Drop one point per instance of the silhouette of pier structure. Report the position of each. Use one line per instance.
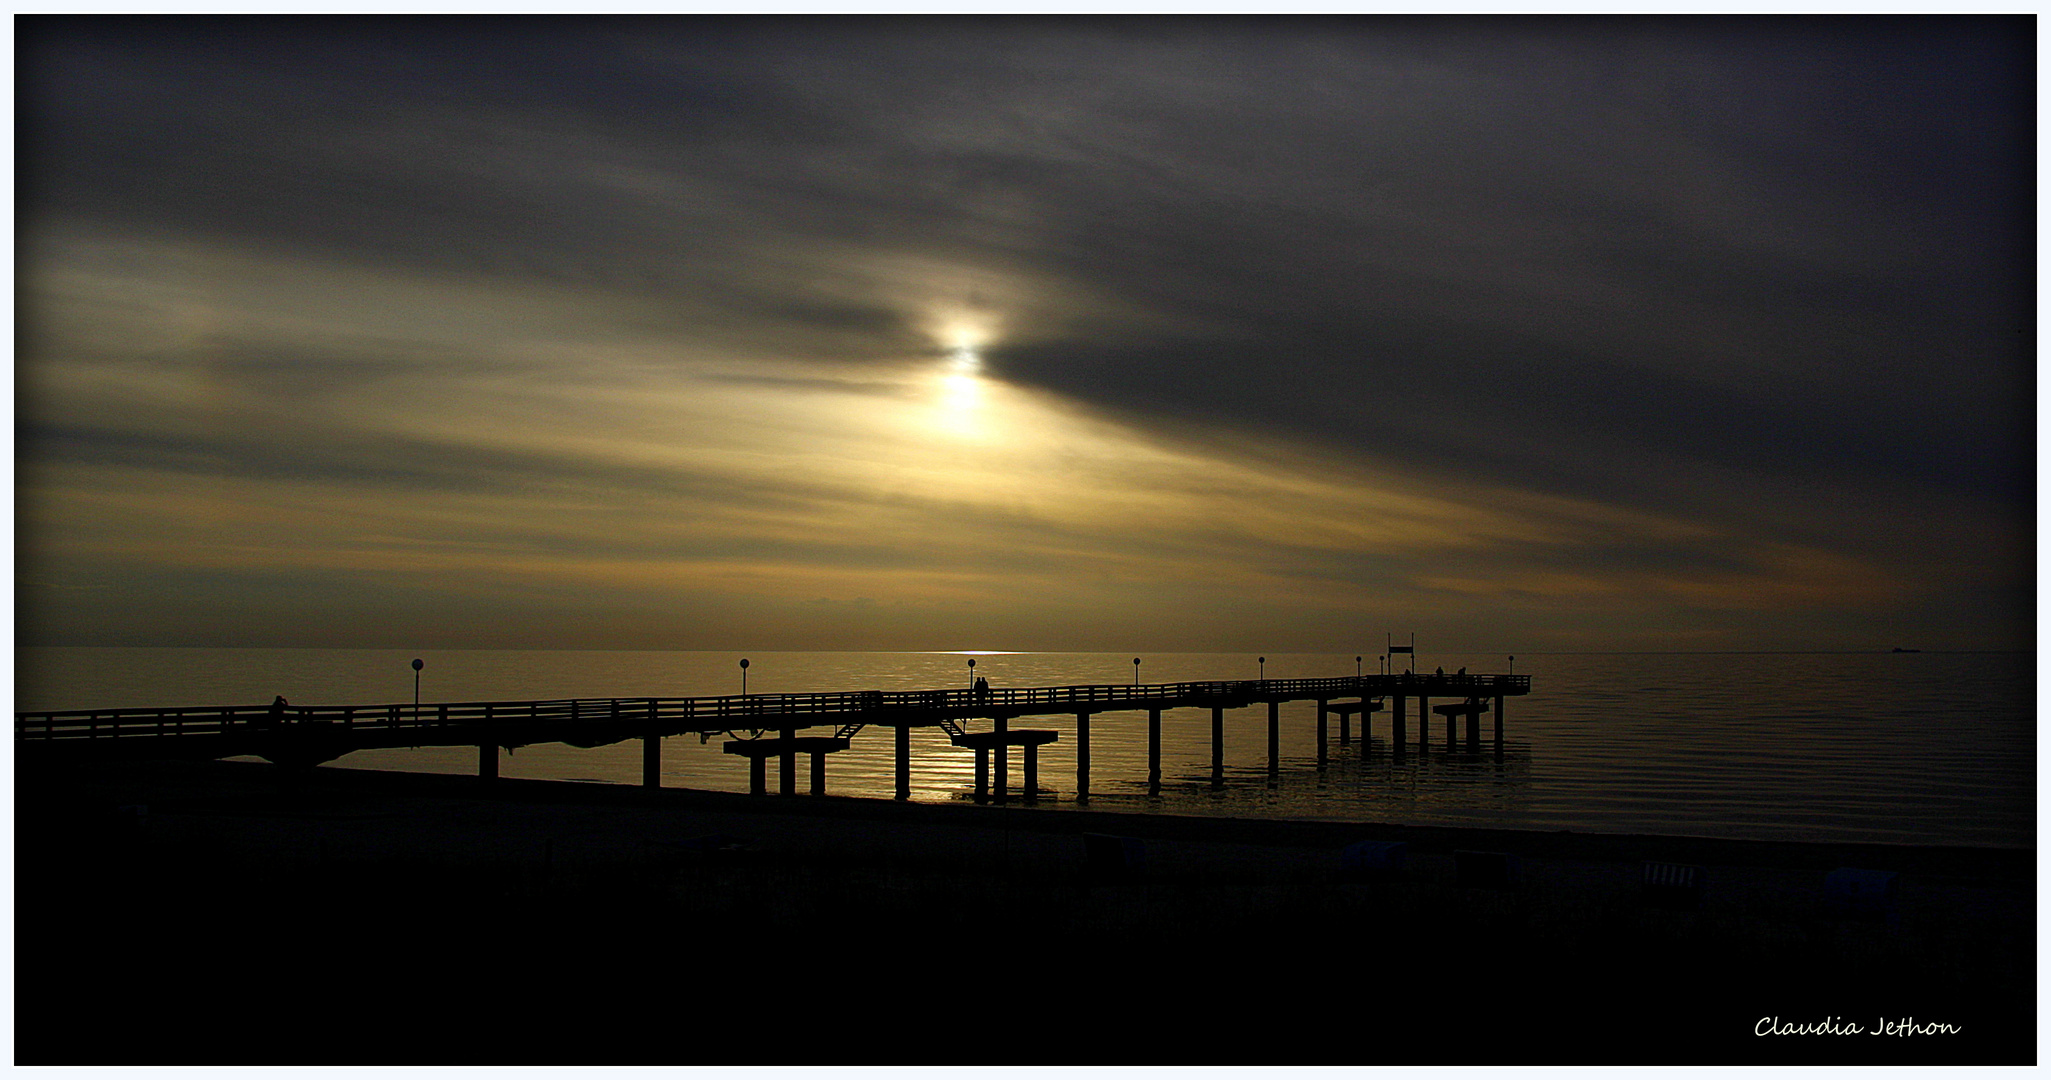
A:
(306, 736)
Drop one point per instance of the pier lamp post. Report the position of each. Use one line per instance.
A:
(417, 665)
(744, 676)
(1356, 667)
(1135, 671)
(1264, 668)
(1513, 665)
(972, 673)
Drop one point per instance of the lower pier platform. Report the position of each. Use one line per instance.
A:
(1346, 711)
(759, 751)
(983, 742)
(1472, 710)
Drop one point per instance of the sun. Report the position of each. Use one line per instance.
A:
(962, 392)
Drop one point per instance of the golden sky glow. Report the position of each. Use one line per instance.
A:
(1205, 362)
(655, 475)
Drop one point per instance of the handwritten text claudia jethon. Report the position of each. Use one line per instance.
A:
(1773, 1025)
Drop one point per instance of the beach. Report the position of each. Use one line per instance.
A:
(236, 912)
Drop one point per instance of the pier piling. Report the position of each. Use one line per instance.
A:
(1217, 746)
(787, 763)
(1321, 733)
(1082, 756)
(1275, 737)
(1154, 750)
(1002, 779)
(904, 761)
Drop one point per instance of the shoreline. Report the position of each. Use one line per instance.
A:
(201, 779)
(528, 883)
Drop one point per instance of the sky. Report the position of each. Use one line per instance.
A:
(1037, 334)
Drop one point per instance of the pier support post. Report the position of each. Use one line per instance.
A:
(1423, 723)
(1499, 725)
(758, 775)
(1399, 727)
(1474, 726)
(1217, 746)
(1032, 774)
(904, 761)
(651, 760)
(982, 773)
(818, 773)
(1001, 783)
(1082, 756)
(1153, 751)
(1452, 744)
(488, 761)
(1322, 721)
(1345, 727)
(787, 764)
(1275, 738)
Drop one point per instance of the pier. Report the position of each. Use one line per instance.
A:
(762, 727)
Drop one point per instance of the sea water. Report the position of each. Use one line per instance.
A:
(1925, 748)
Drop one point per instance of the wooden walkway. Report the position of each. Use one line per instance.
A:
(300, 735)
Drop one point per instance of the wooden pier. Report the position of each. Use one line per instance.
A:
(306, 736)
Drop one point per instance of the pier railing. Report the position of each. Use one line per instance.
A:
(749, 711)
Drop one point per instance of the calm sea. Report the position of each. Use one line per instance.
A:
(1936, 748)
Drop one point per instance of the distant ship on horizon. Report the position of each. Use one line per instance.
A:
(1898, 648)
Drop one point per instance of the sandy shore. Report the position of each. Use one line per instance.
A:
(225, 912)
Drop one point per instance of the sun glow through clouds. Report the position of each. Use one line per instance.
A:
(961, 388)
(961, 396)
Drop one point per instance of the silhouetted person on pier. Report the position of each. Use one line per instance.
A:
(982, 689)
(277, 714)
(1442, 673)
(1462, 673)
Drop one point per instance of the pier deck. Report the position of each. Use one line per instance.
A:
(309, 735)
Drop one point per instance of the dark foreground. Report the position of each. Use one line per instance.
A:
(239, 913)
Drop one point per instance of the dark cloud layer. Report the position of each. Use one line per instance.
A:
(1699, 269)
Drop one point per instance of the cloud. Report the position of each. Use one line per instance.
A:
(1639, 328)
